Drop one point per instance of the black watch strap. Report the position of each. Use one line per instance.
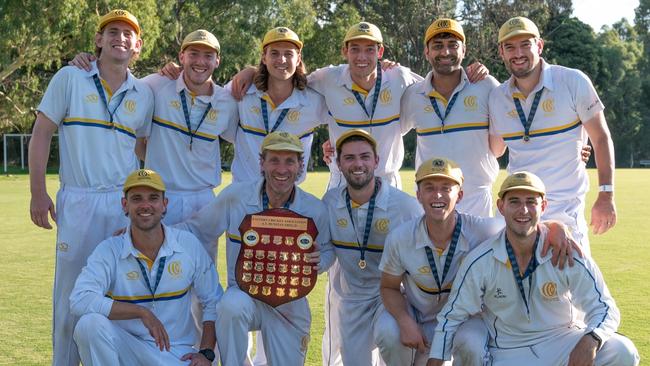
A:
(208, 353)
(597, 338)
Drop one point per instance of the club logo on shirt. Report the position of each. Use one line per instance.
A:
(255, 110)
(342, 223)
(470, 103)
(513, 114)
(348, 101)
(92, 98)
(549, 291)
(293, 116)
(428, 109)
(132, 276)
(381, 226)
(62, 247)
(499, 294)
(175, 104)
(129, 105)
(548, 105)
(424, 270)
(174, 268)
(385, 96)
(212, 116)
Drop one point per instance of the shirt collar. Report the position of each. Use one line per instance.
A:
(169, 246)
(129, 83)
(256, 199)
(295, 100)
(426, 87)
(345, 78)
(501, 254)
(180, 85)
(545, 81)
(380, 202)
(423, 240)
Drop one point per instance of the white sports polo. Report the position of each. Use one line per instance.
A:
(305, 110)
(95, 153)
(404, 254)
(553, 151)
(462, 136)
(485, 282)
(335, 84)
(392, 208)
(226, 212)
(168, 145)
(113, 274)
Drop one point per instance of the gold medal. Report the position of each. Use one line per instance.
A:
(362, 263)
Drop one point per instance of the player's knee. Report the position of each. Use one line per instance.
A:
(469, 346)
(89, 327)
(386, 332)
(623, 350)
(233, 304)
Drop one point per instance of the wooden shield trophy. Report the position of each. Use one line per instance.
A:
(272, 263)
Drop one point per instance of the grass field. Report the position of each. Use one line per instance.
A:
(26, 273)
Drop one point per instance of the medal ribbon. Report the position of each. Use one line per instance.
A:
(434, 104)
(450, 255)
(371, 212)
(265, 117)
(532, 266)
(186, 114)
(265, 199)
(375, 95)
(159, 273)
(527, 122)
(102, 95)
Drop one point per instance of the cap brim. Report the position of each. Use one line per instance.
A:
(200, 43)
(363, 36)
(523, 188)
(517, 33)
(144, 184)
(283, 147)
(346, 136)
(135, 27)
(296, 43)
(457, 34)
(438, 175)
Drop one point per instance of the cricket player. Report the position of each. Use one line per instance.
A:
(450, 115)
(191, 113)
(133, 295)
(423, 255)
(361, 214)
(99, 114)
(285, 328)
(544, 114)
(526, 303)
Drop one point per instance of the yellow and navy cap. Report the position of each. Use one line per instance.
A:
(201, 37)
(517, 26)
(363, 30)
(439, 167)
(281, 34)
(282, 141)
(144, 178)
(522, 180)
(119, 15)
(444, 25)
(356, 132)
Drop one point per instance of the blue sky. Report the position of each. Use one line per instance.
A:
(601, 12)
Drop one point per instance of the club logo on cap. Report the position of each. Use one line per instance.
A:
(520, 175)
(282, 30)
(284, 134)
(143, 173)
(438, 163)
(516, 23)
(443, 24)
(364, 27)
(120, 12)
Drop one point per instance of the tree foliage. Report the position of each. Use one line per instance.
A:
(39, 37)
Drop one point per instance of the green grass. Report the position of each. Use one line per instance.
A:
(26, 273)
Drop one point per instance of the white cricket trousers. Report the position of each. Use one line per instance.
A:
(101, 342)
(85, 217)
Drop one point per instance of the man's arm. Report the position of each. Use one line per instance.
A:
(410, 333)
(603, 213)
(497, 145)
(124, 311)
(141, 148)
(38, 153)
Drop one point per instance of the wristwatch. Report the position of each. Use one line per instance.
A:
(208, 353)
(595, 336)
